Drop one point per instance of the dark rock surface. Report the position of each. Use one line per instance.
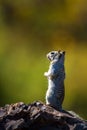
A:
(38, 116)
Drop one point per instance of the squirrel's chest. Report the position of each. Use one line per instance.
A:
(55, 83)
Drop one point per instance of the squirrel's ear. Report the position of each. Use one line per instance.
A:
(59, 51)
(64, 52)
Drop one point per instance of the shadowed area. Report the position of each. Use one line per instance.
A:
(37, 115)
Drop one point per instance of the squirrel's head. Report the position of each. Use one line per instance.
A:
(56, 55)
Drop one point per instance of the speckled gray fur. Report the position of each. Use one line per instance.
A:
(55, 75)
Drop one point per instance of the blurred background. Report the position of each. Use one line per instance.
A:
(29, 29)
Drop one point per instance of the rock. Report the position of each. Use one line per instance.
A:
(38, 116)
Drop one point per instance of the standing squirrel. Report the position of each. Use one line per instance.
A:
(56, 75)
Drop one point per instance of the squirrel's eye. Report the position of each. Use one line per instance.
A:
(52, 53)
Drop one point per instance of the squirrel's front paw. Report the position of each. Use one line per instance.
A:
(46, 74)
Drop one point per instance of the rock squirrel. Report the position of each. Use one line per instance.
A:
(56, 75)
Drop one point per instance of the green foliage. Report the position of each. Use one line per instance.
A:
(28, 30)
